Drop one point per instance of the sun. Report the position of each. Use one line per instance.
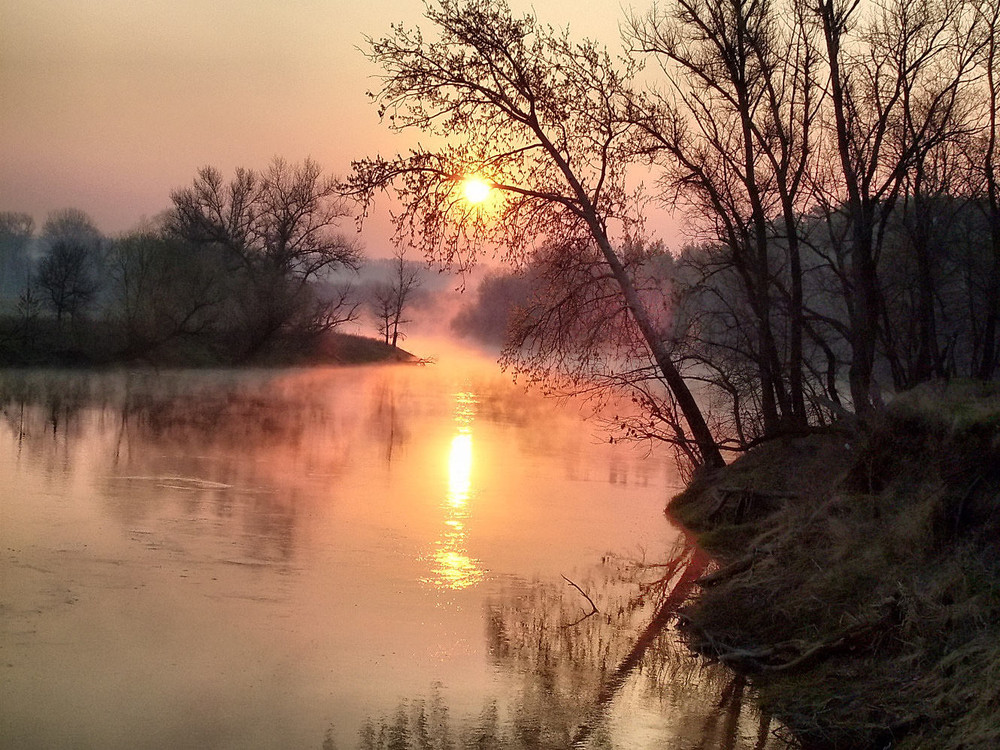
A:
(476, 190)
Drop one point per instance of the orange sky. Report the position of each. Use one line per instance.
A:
(107, 105)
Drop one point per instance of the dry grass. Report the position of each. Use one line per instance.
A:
(896, 526)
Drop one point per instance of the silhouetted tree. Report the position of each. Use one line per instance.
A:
(66, 279)
(733, 132)
(986, 180)
(889, 107)
(548, 123)
(162, 291)
(28, 308)
(390, 299)
(278, 230)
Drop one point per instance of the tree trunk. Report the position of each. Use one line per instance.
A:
(710, 455)
(863, 309)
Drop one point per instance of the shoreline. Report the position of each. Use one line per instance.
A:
(858, 578)
(331, 348)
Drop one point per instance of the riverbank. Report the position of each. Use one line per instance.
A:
(95, 344)
(859, 579)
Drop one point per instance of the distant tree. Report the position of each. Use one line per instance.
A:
(16, 231)
(489, 314)
(28, 308)
(71, 225)
(278, 230)
(162, 292)
(390, 299)
(66, 279)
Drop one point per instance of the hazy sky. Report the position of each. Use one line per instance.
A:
(108, 105)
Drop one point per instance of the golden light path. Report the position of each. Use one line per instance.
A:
(453, 568)
(476, 189)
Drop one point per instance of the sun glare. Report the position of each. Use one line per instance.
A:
(460, 469)
(476, 190)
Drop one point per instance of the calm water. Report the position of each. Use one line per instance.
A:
(336, 558)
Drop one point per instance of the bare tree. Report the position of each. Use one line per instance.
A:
(28, 309)
(733, 132)
(547, 122)
(162, 291)
(987, 183)
(66, 279)
(877, 68)
(71, 225)
(279, 229)
(390, 299)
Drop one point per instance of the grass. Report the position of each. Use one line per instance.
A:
(879, 545)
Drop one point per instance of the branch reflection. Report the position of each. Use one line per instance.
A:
(619, 679)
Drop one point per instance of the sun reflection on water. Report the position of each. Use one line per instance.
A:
(453, 567)
(460, 470)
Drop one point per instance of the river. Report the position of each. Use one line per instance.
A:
(337, 558)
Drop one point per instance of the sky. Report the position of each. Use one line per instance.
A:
(108, 105)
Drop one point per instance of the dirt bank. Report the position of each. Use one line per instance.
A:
(859, 579)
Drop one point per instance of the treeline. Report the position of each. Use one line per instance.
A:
(237, 270)
(710, 321)
(835, 162)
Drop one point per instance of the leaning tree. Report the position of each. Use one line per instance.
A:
(547, 123)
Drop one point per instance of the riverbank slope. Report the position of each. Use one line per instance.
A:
(859, 579)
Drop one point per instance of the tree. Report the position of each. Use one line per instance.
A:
(66, 279)
(987, 182)
(733, 132)
(547, 122)
(161, 291)
(28, 308)
(488, 316)
(68, 274)
(390, 299)
(16, 231)
(895, 84)
(278, 230)
(71, 225)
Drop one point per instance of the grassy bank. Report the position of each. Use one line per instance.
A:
(860, 574)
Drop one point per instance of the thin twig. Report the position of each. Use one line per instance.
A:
(593, 607)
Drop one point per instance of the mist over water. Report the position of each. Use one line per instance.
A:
(271, 558)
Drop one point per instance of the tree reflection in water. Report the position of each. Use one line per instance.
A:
(234, 429)
(214, 469)
(578, 679)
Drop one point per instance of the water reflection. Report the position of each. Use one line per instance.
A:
(453, 567)
(259, 555)
(573, 683)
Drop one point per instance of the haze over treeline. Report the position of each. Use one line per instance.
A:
(239, 269)
(834, 162)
